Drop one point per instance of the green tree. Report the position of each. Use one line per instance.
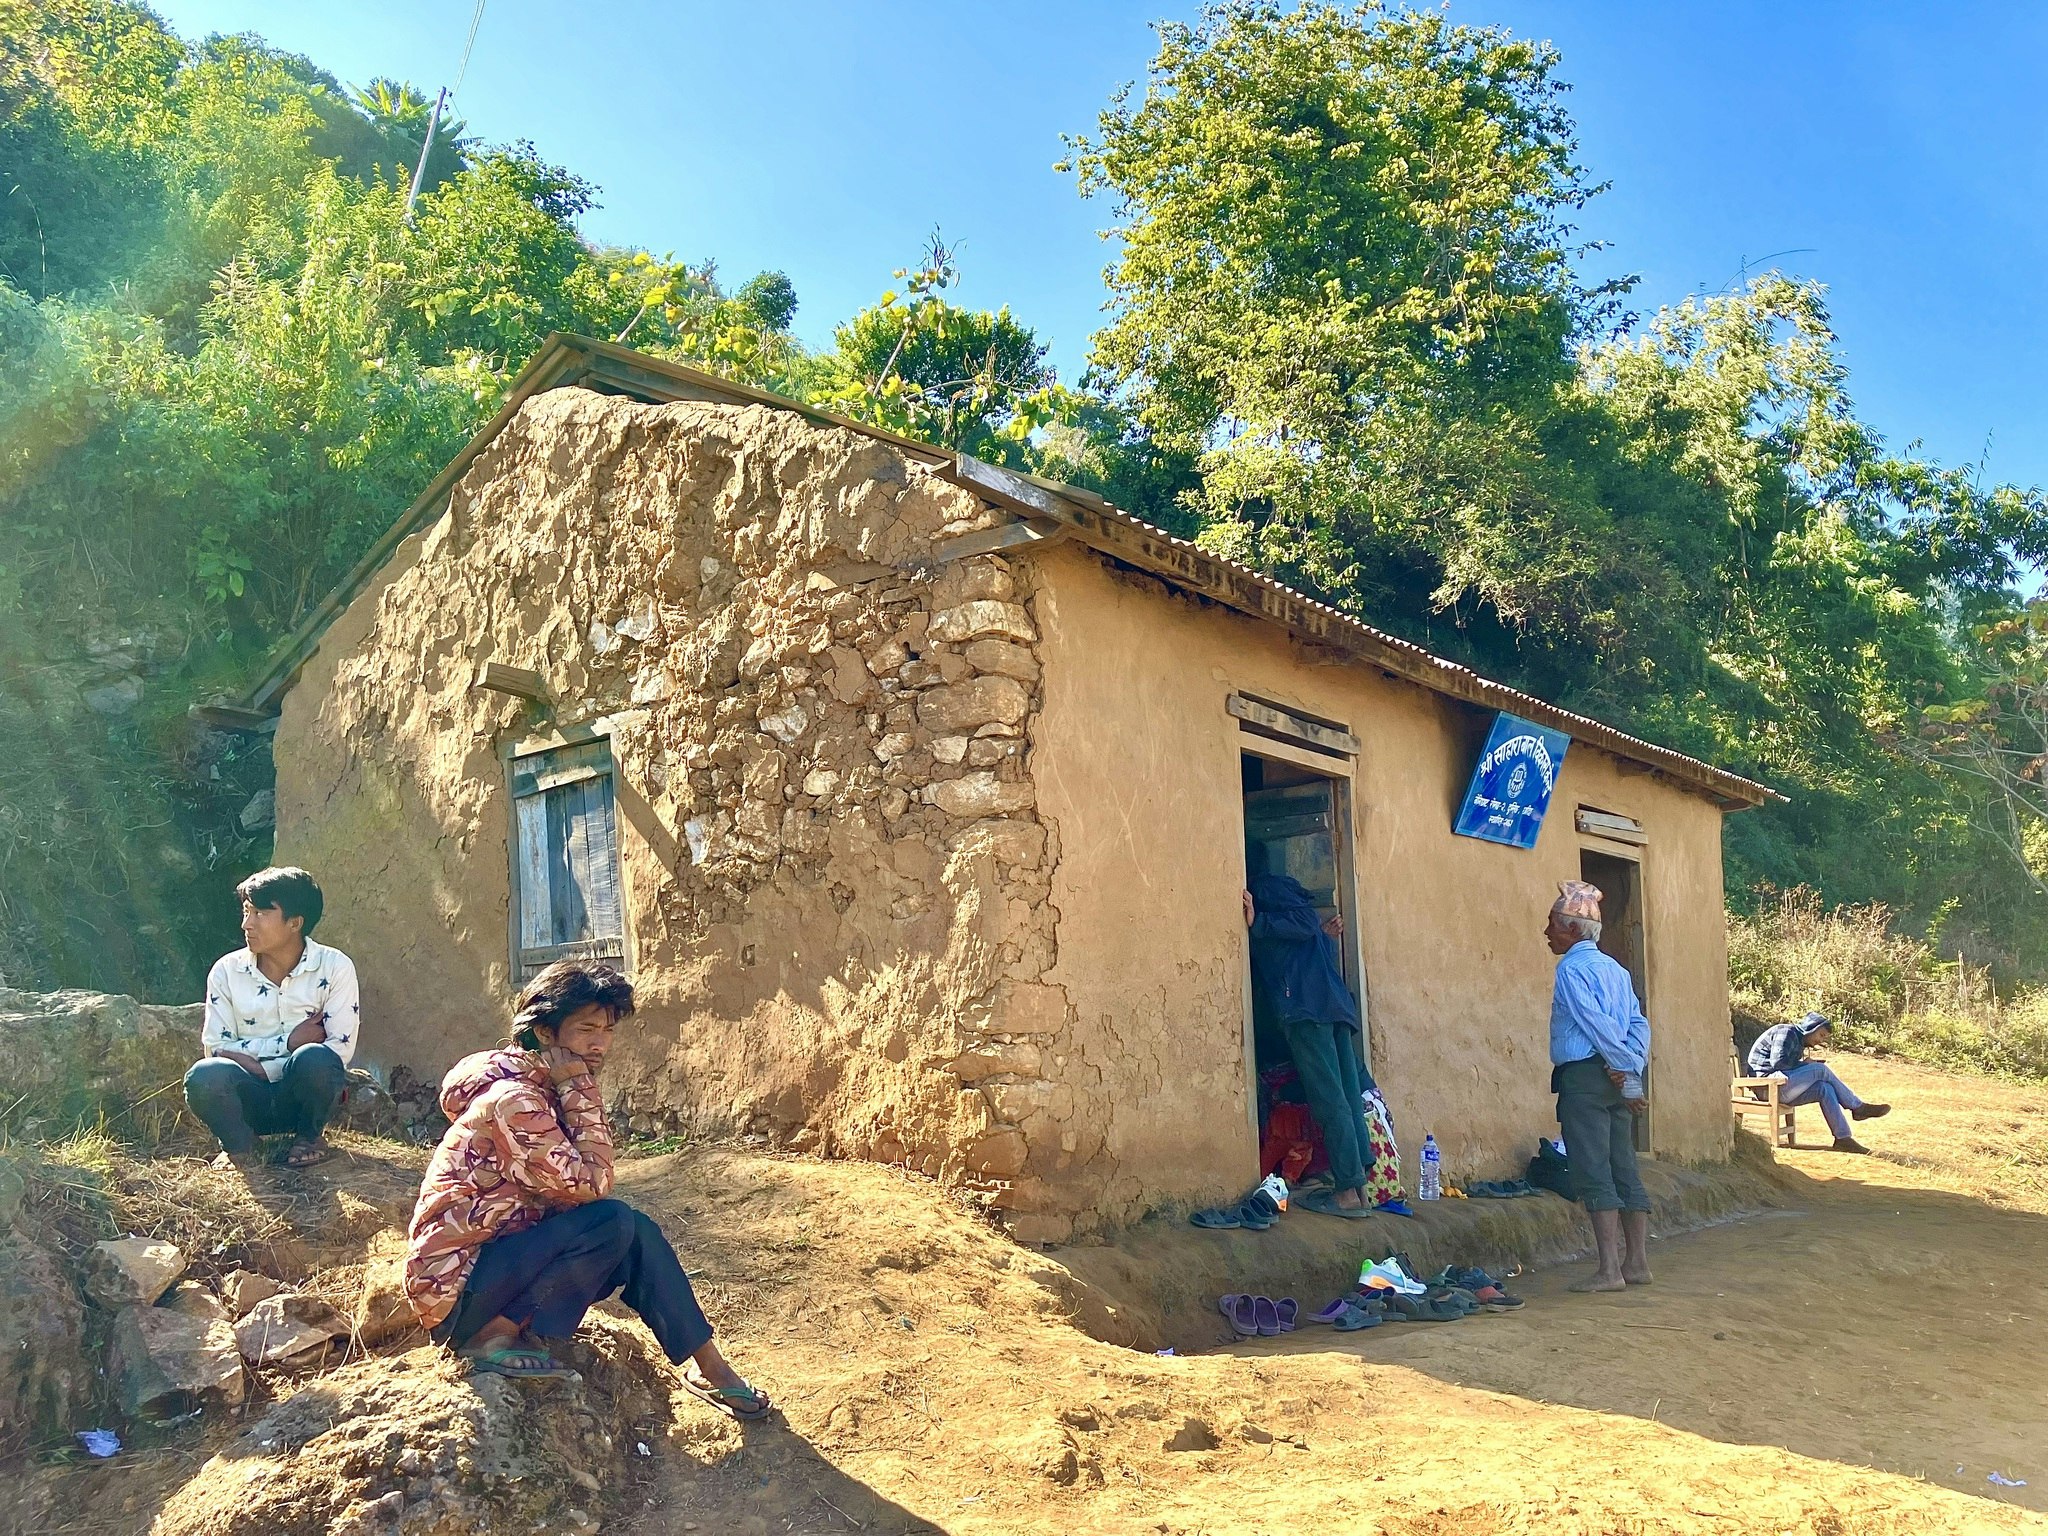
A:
(1344, 278)
(974, 381)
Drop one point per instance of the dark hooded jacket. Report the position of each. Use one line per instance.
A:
(1294, 963)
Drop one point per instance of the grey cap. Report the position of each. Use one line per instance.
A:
(1814, 1021)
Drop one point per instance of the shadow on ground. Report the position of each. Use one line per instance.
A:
(1898, 1328)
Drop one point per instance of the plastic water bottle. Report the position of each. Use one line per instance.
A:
(1430, 1186)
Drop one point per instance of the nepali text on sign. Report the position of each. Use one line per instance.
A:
(1511, 785)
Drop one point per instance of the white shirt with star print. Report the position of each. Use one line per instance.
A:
(248, 1012)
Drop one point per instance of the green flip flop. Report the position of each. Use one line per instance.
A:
(743, 1402)
(522, 1362)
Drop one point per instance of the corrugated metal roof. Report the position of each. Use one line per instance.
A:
(1081, 514)
(1242, 587)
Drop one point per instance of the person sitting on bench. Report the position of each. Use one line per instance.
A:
(1781, 1052)
(281, 1022)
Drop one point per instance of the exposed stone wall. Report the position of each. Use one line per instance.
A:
(837, 881)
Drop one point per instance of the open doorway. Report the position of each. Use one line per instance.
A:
(1621, 936)
(1297, 823)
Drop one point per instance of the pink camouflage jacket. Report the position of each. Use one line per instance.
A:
(520, 1148)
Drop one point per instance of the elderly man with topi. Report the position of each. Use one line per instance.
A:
(1599, 1051)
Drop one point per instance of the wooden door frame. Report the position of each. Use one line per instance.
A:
(1340, 771)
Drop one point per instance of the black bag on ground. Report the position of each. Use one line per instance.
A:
(1550, 1169)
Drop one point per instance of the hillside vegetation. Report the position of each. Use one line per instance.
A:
(1350, 340)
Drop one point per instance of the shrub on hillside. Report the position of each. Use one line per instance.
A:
(1887, 992)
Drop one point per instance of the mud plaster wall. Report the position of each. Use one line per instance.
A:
(1137, 762)
(837, 886)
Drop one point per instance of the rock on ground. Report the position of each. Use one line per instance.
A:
(44, 1378)
(132, 1271)
(383, 1316)
(241, 1289)
(410, 1443)
(280, 1327)
(166, 1362)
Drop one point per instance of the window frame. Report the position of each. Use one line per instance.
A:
(619, 951)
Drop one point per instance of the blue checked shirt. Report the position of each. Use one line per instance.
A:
(1594, 1012)
(248, 1012)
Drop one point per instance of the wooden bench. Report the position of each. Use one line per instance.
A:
(1777, 1118)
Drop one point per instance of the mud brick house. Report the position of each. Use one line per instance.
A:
(918, 796)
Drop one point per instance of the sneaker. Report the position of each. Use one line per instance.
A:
(1870, 1111)
(1848, 1144)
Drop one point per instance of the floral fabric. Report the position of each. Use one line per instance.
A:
(520, 1147)
(1383, 1177)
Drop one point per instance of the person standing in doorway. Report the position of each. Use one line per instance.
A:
(1599, 1051)
(1301, 985)
(281, 1022)
(1781, 1052)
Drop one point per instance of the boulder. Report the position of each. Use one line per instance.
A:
(73, 1057)
(45, 1382)
(132, 1271)
(166, 1362)
(413, 1443)
(242, 1289)
(382, 1312)
(279, 1327)
(195, 1300)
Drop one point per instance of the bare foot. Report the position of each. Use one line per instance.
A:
(1636, 1276)
(1599, 1282)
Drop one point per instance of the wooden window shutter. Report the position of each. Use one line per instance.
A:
(565, 858)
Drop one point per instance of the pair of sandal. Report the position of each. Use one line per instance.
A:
(1352, 1312)
(1489, 1292)
(1323, 1201)
(1501, 1189)
(300, 1154)
(525, 1359)
(1255, 1212)
(1260, 1316)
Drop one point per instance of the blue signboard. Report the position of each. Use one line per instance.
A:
(1511, 786)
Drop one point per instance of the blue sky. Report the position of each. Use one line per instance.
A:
(1897, 151)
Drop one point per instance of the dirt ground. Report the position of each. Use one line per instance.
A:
(1824, 1369)
(1854, 1364)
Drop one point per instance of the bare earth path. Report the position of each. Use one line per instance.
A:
(1889, 1321)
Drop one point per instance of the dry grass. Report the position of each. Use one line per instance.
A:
(1887, 992)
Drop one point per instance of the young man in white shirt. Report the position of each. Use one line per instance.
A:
(281, 1022)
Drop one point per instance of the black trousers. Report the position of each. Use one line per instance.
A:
(547, 1276)
(238, 1106)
